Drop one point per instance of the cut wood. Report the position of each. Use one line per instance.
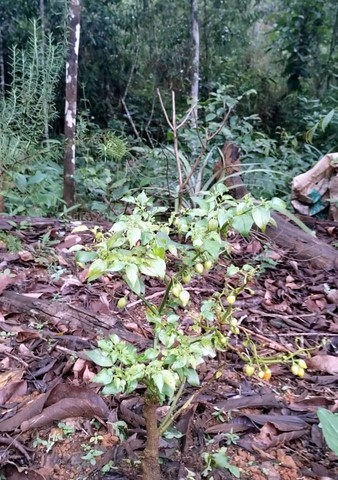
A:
(303, 246)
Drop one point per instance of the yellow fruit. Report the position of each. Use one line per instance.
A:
(295, 369)
(302, 364)
(184, 297)
(267, 374)
(249, 370)
(122, 303)
(199, 268)
(212, 225)
(176, 290)
(186, 278)
(301, 372)
(207, 264)
(231, 299)
(261, 374)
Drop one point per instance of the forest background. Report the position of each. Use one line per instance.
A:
(266, 69)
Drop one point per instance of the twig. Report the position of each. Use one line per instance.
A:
(272, 344)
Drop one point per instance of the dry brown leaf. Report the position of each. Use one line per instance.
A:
(324, 363)
(5, 280)
(26, 256)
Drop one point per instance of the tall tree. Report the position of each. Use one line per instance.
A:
(195, 65)
(43, 61)
(71, 102)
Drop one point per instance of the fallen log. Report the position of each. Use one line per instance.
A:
(301, 245)
(60, 314)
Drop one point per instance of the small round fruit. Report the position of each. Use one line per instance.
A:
(302, 364)
(267, 374)
(301, 372)
(249, 370)
(212, 225)
(186, 278)
(231, 299)
(198, 243)
(199, 268)
(122, 303)
(184, 297)
(208, 264)
(176, 290)
(261, 374)
(295, 369)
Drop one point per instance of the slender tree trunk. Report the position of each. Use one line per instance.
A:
(2, 94)
(195, 61)
(43, 64)
(334, 39)
(71, 102)
(2, 65)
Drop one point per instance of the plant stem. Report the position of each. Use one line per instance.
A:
(167, 421)
(150, 465)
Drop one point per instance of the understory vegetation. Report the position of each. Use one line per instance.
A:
(146, 155)
(273, 67)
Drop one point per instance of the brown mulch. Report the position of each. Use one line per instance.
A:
(51, 411)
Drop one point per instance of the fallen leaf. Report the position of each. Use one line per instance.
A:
(26, 256)
(324, 363)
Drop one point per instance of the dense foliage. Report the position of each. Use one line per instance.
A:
(283, 53)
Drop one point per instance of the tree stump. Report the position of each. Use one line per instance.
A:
(303, 246)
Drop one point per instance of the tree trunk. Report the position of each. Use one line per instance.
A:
(43, 64)
(150, 464)
(302, 246)
(333, 44)
(71, 102)
(195, 66)
(2, 65)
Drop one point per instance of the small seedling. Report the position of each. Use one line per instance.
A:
(120, 429)
(67, 430)
(218, 459)
(91, 454)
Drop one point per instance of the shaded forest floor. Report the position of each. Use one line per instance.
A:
(55, 425)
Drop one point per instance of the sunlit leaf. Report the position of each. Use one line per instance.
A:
(99, 358)
(243, 224)
(261, 217)
(97, 269)
(329, 424)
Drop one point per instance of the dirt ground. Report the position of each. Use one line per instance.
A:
(54, 423)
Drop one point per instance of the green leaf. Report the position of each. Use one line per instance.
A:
(277, 203)
(158, 380)
(327, 119)
(154, 268)
(133, 235)
(192, 377)
(97, 269)
(99, 358)
(329, 424)
(21, 182)
(85, 256)
(104, 377)
(116, 386)
(243, 224)
(169, 379)
(223, 217)
(261, 217)
(132, 274)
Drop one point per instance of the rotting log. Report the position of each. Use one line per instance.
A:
(13, 223)
(60, 314)
(302, 246)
